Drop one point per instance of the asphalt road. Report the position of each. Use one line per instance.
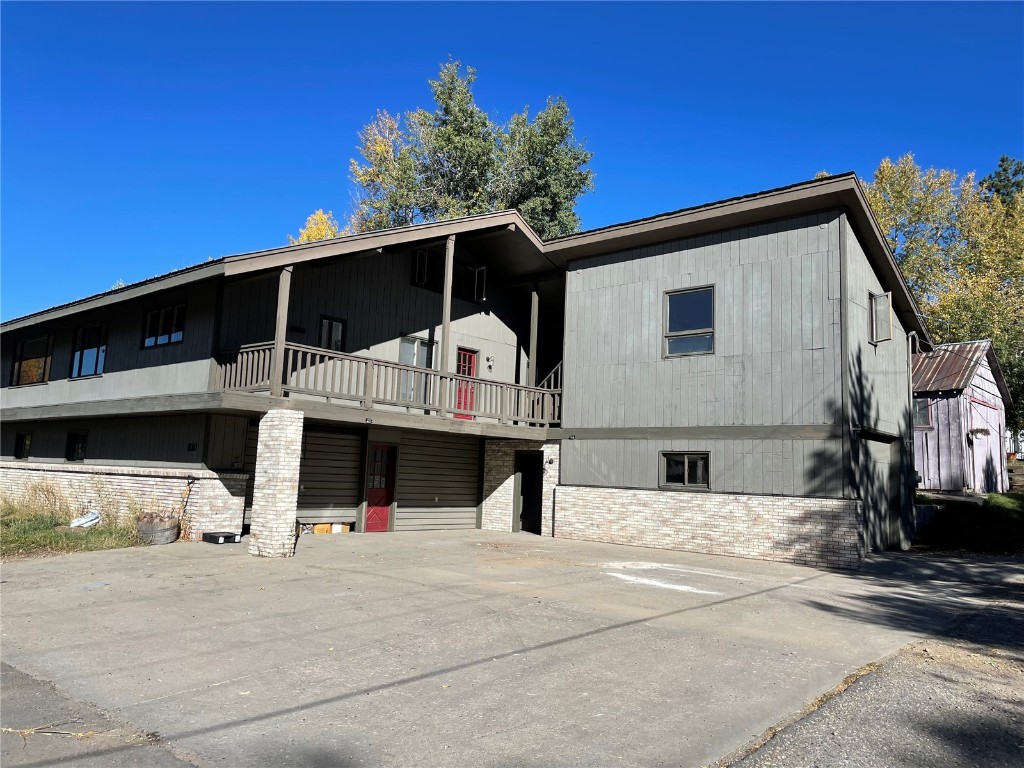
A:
(462, 648)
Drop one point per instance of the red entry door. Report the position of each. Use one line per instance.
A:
(465, 391)
(380, 488)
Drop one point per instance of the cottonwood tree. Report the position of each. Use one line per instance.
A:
(319, 226)
(456, 161)
(961, 249)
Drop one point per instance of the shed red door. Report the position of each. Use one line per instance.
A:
(465, 392)
(380, 487)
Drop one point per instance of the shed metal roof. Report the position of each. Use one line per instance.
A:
(951, 367)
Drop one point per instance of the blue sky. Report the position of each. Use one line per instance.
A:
(140, 138)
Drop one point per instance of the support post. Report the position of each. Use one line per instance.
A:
(534, 312)
(284, 285)
(446, 321)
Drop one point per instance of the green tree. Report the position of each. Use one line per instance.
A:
(962, 253)
(455, 161)
(319, 226)
(1007, 181)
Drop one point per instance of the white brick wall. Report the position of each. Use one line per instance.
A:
(499, 482)
(276, 484)
(205, 500)
(819, 532)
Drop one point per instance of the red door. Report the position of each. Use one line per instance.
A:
(465, 365)
(380, 487)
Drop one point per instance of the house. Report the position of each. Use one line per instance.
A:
(960, 400)
(731, 378)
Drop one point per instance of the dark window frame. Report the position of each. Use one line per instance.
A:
(668, 335)
(324, 319)
(22, 445)
(76, 348)
(928, 411)
(663, 481)
(177, 325)
(76, 446)
(469, 282)
(18, 360)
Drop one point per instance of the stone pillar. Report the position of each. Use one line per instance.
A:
(276, 487)
(499, 482)
(552, 461)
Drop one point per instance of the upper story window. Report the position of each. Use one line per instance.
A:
(922, 412)
(165, 326)
(332, 334)
(686, 470)
(31, 362)
(89, 351)
(469, 283)
(881, 316)
(690, 322)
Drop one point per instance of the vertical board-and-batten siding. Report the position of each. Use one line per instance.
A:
(986, 424)
(373, 295)
(438, 482)
(939, 447)
(777, 357)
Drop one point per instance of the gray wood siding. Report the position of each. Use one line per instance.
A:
(438, 482)
(986, 424)
(329, 473)
(374, 296)
(137, 441)
(225, 441)
(777, 358)
(130, 370)
(939, 448)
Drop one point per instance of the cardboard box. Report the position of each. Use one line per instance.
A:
(321, 528)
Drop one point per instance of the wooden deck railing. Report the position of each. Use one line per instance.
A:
(368, 383)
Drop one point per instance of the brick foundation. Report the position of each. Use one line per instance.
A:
(818, 532)
(203, 499)
(499, 482)
(276, 484)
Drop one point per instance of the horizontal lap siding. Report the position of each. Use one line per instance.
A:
(438, 482)
(330, 471)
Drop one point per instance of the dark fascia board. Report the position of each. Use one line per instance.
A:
(841, 192)
(294, 254)
(385, 238)
(129, 292)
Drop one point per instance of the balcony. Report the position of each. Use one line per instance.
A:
(366, 383)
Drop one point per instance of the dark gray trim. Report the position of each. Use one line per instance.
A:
(780, 432)
(663, 483)
(721, 493)
(121, 407)
(875, 435)
(665, 335)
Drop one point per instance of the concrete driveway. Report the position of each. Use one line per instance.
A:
(463, 648)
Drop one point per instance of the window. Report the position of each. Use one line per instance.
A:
(22, 445)
(922, 412)
(686, 470)
(332, 334)
(881, 317)
(31, 362)
(165, 326)
(89, 351)
(469, 283)
(690, 322)
(419, 353)
(75, 449)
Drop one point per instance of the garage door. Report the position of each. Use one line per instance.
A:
(438, 482)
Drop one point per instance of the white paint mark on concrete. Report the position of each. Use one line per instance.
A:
(662, 584)
(642, 566)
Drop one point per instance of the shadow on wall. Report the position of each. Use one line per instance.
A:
(990, 476)
(878, 470)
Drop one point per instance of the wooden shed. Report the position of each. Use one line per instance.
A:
(960, 400)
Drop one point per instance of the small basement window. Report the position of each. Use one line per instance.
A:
(165, 326)
(22, 445)
(881, 316)
(922, 412)
(76, 445)
(31, 362)
(690, 322)
(686, 470)
(90, 351)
